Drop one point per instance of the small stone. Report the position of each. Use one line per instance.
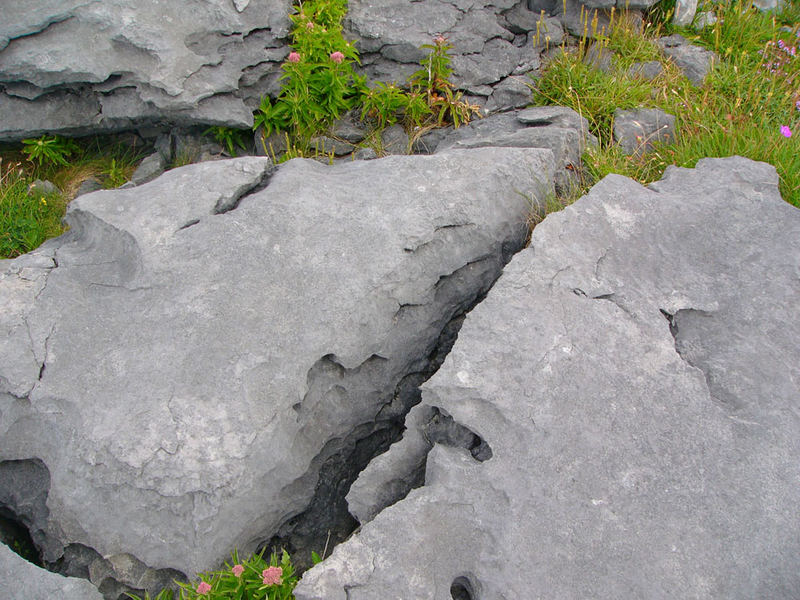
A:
(88, 186)
(637, 130)
(42, 188)
(684, 12)
(598, 57)
(395, 140)
(365, 154)
(694, 61)
(512, 92)
(150, 168)
(646, 70)
(325, 145)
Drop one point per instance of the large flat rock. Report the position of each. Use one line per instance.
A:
(632, 388)
(189, 354)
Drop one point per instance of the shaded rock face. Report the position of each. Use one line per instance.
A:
(189, 356)
(635, 375)
(77, 66)
(24, 581)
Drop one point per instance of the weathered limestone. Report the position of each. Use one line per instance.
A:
(189, 355)
(77, 66)
(632, 379)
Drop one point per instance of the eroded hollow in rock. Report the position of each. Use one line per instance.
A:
(24, 485)
(462, 589)
(327, 521)
(443, 429)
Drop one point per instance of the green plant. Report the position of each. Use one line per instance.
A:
(385, 103)
(115, 174)
(51, 148)
(251, 579)
(25, 221)
(229, 138)
(319, 83)
(433, 83)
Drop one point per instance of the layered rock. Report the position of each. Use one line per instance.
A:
(618, 419)
(177, 370)
(79, 67)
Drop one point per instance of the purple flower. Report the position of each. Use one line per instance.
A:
(781, 44)
(797, 105)
(785, 131)
(337, 57)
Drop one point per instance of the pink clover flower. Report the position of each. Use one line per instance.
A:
(203, 587)
(272, 576)
(337, 57)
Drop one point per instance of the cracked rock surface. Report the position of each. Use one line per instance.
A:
(185, 358)
(636, 375)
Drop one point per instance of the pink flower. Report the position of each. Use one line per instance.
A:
(337, 57)
(203, 587)
(439, 40)
(272, 576)
(309, 25)
(294, 57)
(238, 570)
(785, 131)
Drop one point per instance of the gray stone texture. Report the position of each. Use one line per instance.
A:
(23, 580)
(190, 353)
(646, 70)
(635, 373)
(694, 61)
(150, 168)
(74, 66)
(636, 130)
(557, 128)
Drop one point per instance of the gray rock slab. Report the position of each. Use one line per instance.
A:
(558, 128)
(635, 373)
(185, 358)
(636, 130)
(106, 65)
(694, 61)
(23, 580)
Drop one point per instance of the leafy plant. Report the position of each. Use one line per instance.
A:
(319, 83)
(51, 148)
(251, 579)
(433, 80)
(229, 138)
